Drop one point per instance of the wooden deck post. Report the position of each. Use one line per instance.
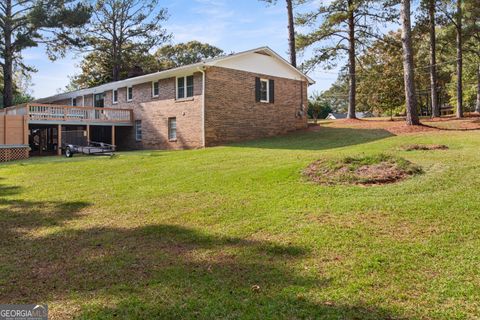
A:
(26, 130)
(59, 142)
(88, 133)
(5, 122)
(113, 135)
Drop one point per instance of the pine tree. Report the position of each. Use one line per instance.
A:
(343, 27)
(291, 31)
(409, 76)
(27, 23)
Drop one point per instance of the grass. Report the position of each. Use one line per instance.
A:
(236, 232)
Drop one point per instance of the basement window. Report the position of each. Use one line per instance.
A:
(172, 129)
(184, 87)
(138, 130)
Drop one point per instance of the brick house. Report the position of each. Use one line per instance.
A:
(238, 97)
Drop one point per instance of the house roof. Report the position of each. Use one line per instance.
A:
(178, 72)
(359, 115)
(337, 115)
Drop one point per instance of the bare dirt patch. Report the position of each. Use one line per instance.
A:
(361, 170)
(424, 147)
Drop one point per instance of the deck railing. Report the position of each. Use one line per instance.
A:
(50, 112)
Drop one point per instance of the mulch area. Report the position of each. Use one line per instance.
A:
(398, 126)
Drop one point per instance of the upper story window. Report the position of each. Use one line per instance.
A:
(184, 87)
(74, 102)
(129, 94)
(155, 89)
(98, 100)
(264, 90)
(115, 96)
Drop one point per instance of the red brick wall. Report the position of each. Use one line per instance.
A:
(232, 114)
(154, 113)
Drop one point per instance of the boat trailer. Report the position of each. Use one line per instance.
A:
(93, 148)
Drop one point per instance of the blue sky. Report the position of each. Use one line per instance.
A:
(229, 24)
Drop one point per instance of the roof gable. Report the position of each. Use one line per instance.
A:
(263, 61)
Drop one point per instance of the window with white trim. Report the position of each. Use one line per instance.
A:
(155, 89)
(264, 90)
(172, 129)
(129, 94)
(185, 87)
(115, 96)
(138, 130)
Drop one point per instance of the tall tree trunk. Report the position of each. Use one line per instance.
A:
(459, 61)
(433, 60)
(116, 65)
(8, 57)
(291, 34)
(477, 107)
(351, 61)
(409, 76)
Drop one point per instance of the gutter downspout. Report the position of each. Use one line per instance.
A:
(202, 70)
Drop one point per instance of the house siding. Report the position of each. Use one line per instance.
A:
(154, 113)
(232, 113)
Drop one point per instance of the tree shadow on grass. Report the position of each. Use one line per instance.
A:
(153, 272)
(319, 139)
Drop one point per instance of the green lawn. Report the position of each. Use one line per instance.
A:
(236, 232)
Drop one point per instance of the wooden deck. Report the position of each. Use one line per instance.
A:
(68, 115)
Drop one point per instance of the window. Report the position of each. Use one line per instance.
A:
(155, 89)
(99, 100)
(129, 93)
(138, 130)
(74, 102)
(172, 129)
(184, 87)
(264, 90)
(114, 96)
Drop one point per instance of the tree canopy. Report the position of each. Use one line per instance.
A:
(96, 66)
(28, 23)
